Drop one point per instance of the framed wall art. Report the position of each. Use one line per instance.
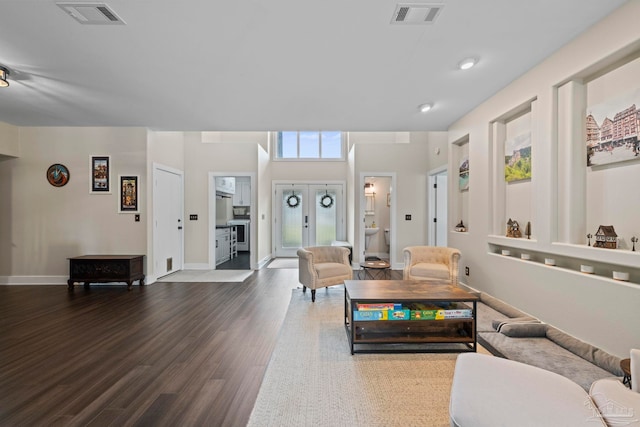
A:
(128, 193)
(463, 174)
(612, 130)
(517, 158)
(58, 175)
(100, 175)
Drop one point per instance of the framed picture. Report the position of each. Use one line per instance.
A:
(517, 158)
(463, 174)
(100, 175)
(612, 130)
(128, 193)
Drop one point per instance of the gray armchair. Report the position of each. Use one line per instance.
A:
(322, 266)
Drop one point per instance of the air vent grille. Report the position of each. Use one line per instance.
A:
(412, 13)
(91, 13)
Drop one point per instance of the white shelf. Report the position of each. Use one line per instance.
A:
(513, 242)
(588, 253)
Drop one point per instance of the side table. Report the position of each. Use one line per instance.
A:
(374, 269)
(625, 365)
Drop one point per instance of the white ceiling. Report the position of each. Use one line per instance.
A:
(272, 65)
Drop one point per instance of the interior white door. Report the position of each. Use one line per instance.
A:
(168, 221)
(441, 209)
(306, 215)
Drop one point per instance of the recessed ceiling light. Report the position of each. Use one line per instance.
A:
(425, 107)
(467, 63)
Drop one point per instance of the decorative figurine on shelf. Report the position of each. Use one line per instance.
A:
(606, 237)
(634, 239)
(589, 236)
(513, 229)
(460, 227)
(527, 230)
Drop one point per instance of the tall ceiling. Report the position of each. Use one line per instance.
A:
(272, 65)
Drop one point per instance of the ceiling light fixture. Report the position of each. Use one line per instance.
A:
(467, 63)
(425, 107)
(3, 77)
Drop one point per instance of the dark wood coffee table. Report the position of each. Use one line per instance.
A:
(457, 334)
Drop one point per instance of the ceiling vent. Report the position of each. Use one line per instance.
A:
(412, 13)
(91, 13)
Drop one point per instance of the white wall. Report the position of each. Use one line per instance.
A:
(596, 309)
(44, 225)
(9, 141)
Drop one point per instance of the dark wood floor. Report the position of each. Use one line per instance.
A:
(168, 354)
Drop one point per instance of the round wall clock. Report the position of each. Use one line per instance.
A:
(58, 175)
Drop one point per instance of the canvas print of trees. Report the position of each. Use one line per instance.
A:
(612, 130)
(517, 158)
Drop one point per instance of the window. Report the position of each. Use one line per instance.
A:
(327, 145)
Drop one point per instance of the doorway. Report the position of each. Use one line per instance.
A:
(438, 224)
(376, 233)
(307, 215)
(239, 210)
(168, 221)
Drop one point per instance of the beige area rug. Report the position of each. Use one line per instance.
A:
(207, 276)
(313, 380)
(283, 263)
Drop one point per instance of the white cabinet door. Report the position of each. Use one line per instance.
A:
(242, 197)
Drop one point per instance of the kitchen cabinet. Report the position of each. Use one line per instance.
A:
(242, 196)
(223, 245)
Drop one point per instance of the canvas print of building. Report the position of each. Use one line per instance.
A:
(612, 130)
(517, 158)
(463, 180)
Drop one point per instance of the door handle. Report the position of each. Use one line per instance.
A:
(179, 228)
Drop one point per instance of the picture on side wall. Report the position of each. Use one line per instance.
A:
(517, 158)
(128, 194)
(463, 177)
(612, 130)
(100, 175)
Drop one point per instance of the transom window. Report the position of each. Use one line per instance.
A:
(308, 145)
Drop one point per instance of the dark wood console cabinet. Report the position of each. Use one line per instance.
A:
(105, 269)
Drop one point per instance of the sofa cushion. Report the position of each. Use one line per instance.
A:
(425, 269)
(523, 329)
(586, 351)
(490, 391)
(501, 306)
(617, 404)
(331, 269)
(485, 317)
(545, 354)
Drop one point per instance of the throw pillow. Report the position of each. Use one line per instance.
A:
(524, 330)
(497, 324)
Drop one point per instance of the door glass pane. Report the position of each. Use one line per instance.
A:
(291, 219)
(325, 202)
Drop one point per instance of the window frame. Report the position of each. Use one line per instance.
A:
(276, 148)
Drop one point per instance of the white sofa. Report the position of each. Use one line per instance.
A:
(491, 391)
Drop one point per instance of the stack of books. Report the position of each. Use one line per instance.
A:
(417, 311)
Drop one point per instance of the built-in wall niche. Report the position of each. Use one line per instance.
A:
(598, 160)
(513, 138)
(462, 183)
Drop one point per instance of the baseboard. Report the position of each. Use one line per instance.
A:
(263, 262)
(34, 280)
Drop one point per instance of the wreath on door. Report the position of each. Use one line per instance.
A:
(293, 201)
(326, 201)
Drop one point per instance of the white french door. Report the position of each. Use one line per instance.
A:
(307, 215)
